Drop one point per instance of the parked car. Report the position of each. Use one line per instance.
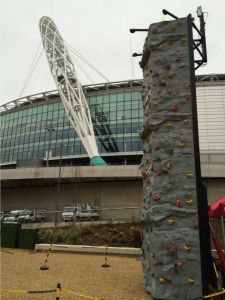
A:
(68, 213)
(29, 216)
(13, 216)
(86, 212)
(80, 212)
(2, 216)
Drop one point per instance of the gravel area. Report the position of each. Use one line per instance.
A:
(77, 272)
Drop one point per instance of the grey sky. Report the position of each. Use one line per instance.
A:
(99, 30)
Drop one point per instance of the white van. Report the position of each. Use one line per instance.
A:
(68, 213)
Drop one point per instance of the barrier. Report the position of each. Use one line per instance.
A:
(58, 292)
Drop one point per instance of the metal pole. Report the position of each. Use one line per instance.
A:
(49, 143)
(58, 187)
(222, 223)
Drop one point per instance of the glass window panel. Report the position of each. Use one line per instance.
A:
(44, 108)
(112, 115)
(34, 110)
(127, 96)
(113, 98)
(39, 109)
(106, 99)
(99, 99)
(50, 107)
(136, 95)
(120, 97)
(120, 114)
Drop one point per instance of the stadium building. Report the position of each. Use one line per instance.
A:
(39, 147)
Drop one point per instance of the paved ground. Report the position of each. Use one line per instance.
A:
(82, 274)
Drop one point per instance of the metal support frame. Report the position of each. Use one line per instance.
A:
(207, 270)
(198, 44)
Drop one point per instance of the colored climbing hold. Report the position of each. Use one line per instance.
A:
(170, 221)
(178, 60)
(187, 97)
(173, 28)
(189, 201)
(172, 249)
(195, 225)
(179, 263)
(155, 103)
(162, 280)
(183, 42)
(168, 125)
(190, 280)
(186, 122)
(155, 128)
(161, 48)
(158, 173)
(170, 74)
(179, 203)
(157, 197)
(174, 107)
(187, 247)
(190, 175)
(181, 145)
(168, 166)
(157, 147)
(187, 85)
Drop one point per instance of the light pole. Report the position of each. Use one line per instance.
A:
(50, 129)
(58, 187)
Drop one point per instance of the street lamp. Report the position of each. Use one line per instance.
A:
(50, 129)
(58, 187)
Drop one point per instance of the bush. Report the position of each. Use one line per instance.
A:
(69, 235)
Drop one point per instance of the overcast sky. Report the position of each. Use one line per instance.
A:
(99, 30)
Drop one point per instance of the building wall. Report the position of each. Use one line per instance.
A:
(102, 194)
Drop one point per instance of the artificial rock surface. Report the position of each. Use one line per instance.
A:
(171, 250)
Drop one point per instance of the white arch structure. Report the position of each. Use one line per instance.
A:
(69, 87)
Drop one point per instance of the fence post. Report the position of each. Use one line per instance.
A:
(58, 291)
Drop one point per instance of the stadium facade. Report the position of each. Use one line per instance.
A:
(37, 137)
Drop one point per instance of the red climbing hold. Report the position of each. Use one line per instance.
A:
(174, 107)
(156, 197)
(179, 203)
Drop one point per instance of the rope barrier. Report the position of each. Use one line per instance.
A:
(215, 294)
(58, 290)
(219, 293)
(16, 253)
(80, 295)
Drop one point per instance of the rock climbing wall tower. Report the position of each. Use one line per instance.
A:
(171, 251)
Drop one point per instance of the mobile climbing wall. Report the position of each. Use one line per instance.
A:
(171, 255)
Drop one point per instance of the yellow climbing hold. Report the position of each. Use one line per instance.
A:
(190, 175)
(190, 280)
(187, 85)
(162, 280)
(189, 201)
(168, 165)
(186, 122)
(168, 125)
(181, 145)
(170, 74)
(187, 247)
(170, 221)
